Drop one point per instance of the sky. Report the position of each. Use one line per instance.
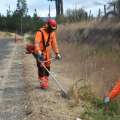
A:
(42, 6)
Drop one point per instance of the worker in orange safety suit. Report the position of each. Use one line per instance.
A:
(45, 39)
(113, 93)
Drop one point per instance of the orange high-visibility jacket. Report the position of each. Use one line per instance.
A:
(115, 91)
(52, 44)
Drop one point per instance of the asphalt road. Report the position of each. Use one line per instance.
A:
(12, 92)
(5, 48)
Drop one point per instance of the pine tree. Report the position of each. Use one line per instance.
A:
(35, 14)
(20, 14)
(8, 12)
(22, 7)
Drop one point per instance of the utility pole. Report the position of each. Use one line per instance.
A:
(99, 13)
(105, 10)
(90, 14)
(59, 7)
(49, 15)
(21, 27)
(114, 6)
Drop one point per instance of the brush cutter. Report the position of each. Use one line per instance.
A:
(63, 91)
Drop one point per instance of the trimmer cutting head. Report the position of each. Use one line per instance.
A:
(64, 94)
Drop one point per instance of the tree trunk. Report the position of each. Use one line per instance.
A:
(61, 7)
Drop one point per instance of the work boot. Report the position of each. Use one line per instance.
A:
(44, 83)
(46, 77)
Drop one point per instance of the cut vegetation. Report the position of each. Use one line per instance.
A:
(89, 69)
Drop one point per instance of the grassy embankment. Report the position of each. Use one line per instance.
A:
(92, 56)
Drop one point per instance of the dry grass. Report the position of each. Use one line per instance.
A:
(98, 33)
(98, 66)
(110, 23)
(6, 34)
(93, 68)
(88, 70)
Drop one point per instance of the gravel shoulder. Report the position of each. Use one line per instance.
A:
(20, 95)
(12, 85)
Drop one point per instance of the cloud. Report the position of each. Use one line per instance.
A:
(42, 6)
(4, 5)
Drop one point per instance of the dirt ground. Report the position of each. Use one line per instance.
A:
(48, 104)
(20, 95)
(83, 65)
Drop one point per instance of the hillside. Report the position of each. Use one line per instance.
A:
(89, 69)
(91, 53)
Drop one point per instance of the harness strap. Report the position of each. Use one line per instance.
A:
(45, 44)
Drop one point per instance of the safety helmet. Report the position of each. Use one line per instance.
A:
(52, 24)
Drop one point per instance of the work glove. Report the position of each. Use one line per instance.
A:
(40, 57)
(106, 100)
(58, 56)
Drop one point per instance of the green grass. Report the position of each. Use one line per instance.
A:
(96, 110)
(8, 34)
